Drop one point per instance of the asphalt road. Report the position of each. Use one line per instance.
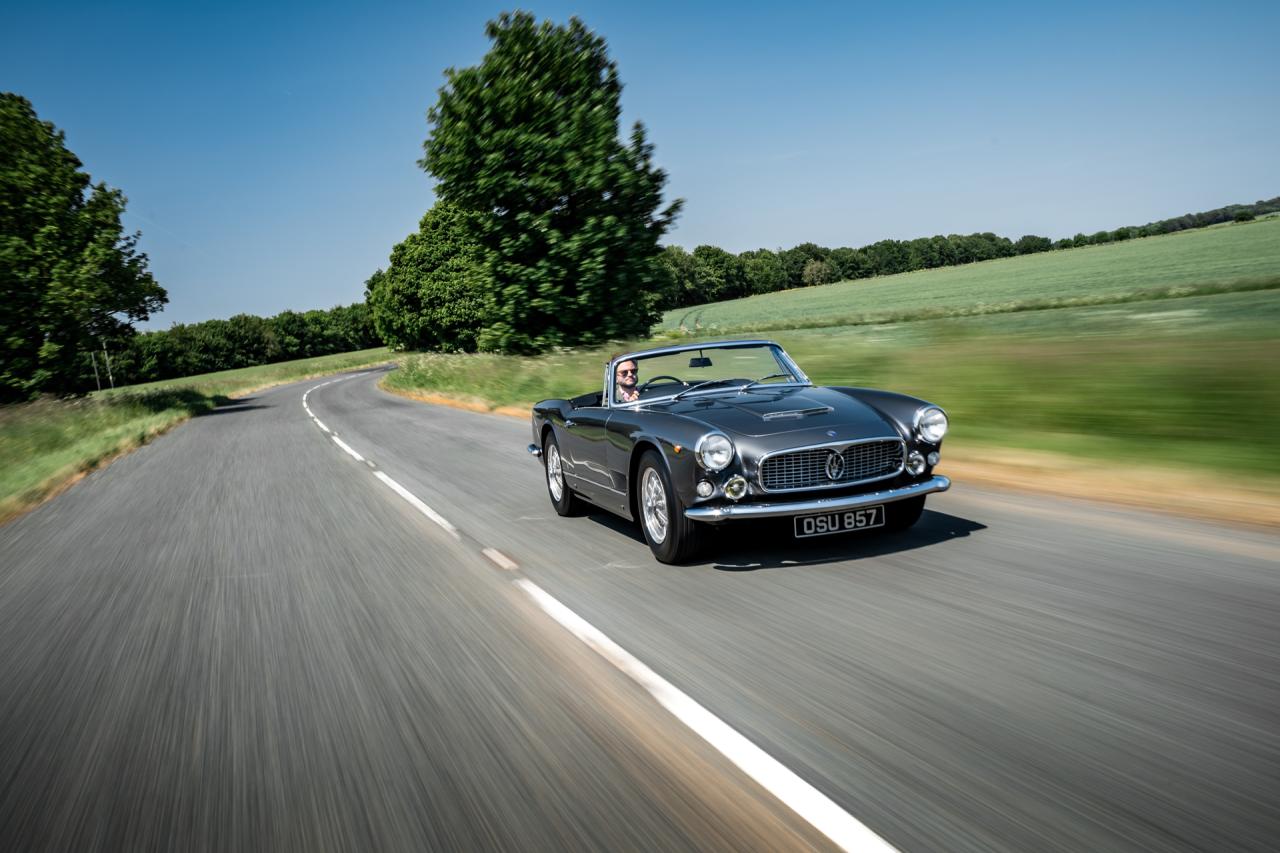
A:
(239, 638)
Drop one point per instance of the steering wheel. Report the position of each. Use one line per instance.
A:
(644, 386)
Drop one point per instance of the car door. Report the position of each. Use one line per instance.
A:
(583, 452)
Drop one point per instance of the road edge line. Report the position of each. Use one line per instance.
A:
(808, 802)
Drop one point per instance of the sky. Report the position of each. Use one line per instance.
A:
(269, 150)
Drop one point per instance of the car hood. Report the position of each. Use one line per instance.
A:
(766, 411)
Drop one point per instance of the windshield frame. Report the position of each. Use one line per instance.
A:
(778, 352)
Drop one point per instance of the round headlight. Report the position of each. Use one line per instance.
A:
(715, 451)
(932, 423)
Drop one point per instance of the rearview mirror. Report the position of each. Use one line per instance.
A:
(699, 361)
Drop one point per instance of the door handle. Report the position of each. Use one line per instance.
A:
(569, 423)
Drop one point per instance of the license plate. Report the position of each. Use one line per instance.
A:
(839, 522)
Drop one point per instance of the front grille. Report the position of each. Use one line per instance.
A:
(808, 469)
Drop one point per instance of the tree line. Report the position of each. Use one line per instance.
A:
(245, 340)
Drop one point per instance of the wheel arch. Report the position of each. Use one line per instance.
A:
(633, 468)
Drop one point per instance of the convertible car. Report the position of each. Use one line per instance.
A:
(687, 436)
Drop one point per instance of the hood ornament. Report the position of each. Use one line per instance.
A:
(831, 433)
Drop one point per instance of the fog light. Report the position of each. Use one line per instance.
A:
(915, 463)
(933, 458)
(705, 489)
(736, 488)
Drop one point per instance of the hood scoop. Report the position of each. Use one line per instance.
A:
(797, 414)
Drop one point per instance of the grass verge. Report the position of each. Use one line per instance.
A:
(48, 444)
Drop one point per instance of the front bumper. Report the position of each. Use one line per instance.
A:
(778, 509)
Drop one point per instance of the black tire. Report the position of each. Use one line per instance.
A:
(900, 515)
(680, 538)
(567, 503)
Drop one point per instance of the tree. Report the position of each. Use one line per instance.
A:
(676, 278)
(70, 278)
(569, 215)
(764, 271)
(717, 275)
(818, 272)
(433, 295)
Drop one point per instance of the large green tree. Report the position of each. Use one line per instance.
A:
(70, 277)
(570, 215)
(434, 294)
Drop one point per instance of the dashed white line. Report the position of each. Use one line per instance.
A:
(805, 800)
(417, 504)
(346, 448)
(500, 559)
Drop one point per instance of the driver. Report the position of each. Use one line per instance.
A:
(624, 381)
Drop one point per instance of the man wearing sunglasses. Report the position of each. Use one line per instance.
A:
(624, 382)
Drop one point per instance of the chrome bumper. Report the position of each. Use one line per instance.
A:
(729, 512)
(535, 450)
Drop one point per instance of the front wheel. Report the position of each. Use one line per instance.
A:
(672, 538)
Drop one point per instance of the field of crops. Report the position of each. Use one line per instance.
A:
(1225, 257)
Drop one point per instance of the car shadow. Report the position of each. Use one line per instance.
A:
(772, 545)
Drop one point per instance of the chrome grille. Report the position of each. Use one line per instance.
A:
(807, 468)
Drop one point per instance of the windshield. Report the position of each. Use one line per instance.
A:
(694, 371)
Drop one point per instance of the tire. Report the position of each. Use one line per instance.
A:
(902, 514)
(672, 538)
(566, 502)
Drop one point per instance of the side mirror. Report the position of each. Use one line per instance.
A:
(699, 361)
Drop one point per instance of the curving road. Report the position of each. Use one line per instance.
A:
(243, 637)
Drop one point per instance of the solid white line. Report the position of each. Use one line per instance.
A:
(500, 559)
(416, 503)
(319, 424)
(811, 804)
(346, 447)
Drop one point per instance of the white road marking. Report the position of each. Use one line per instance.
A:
(319, 424)
(811, 804)
(417, 504)
(346, 447)
(500, 559)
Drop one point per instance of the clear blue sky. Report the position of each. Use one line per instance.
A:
(269, 150)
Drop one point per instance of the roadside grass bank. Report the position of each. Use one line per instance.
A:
(48, 444)
(1222, 258)
(1188, 387)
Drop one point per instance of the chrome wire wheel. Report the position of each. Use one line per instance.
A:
(653, 501)
(555, 473)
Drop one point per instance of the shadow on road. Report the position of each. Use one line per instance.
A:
(773, 546)
(227, 406)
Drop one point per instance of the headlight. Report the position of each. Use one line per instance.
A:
(715, 451)
(932, 424)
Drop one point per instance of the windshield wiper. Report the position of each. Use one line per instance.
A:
(699, 385)
(765, 379)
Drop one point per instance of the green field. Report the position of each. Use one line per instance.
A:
(1175, 381)
(49, 442)
(1232, 256)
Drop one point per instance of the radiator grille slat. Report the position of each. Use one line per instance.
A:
(807, 469)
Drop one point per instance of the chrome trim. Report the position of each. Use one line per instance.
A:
(534, 450)
(717, 514)
(760, 464)
(915, 423)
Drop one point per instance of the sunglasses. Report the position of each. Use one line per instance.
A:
(627, 372)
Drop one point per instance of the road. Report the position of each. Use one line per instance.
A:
(240, 637)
